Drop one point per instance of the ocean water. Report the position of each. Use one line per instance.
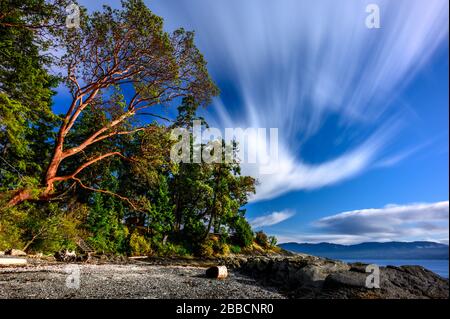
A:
(439, 267)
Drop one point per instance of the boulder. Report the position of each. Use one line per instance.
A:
(345, 279)
(313, 274)
(413, 282)
(358, 267)
(309, 275)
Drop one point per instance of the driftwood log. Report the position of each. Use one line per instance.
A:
(5, 261)
(217, 272)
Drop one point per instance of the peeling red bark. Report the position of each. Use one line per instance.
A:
(19, 197)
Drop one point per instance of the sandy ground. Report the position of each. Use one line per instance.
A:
(124, 281)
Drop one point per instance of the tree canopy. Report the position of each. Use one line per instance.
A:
(102, 172)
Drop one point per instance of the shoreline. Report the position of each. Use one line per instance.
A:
(275, 276)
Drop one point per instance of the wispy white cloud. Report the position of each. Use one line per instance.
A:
(419, 221)
(401, 155)
(292, 174)
(271, 219)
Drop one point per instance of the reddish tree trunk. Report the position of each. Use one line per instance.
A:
(20, 196)
(51, 173)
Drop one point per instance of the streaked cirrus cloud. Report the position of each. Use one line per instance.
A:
(271, 219)
(293, 65)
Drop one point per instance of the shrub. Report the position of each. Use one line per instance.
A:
(180, 250)
(243, 235)
(262, 239)
(36, 227)
(10, 230)
(139, 245)
(221, 248)
(235, 249)
(194, 229)
(272, 241)
(225, 249)
(170, 249)
(205, 249)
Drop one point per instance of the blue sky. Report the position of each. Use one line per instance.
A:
(362, 113)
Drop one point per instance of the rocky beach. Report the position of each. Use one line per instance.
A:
(258, 277)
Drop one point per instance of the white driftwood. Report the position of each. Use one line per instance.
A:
(217, 272)
(12, 261)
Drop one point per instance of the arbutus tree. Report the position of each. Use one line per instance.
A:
(123, 63)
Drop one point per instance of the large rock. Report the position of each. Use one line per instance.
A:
(304, 276)
(412, 282)
(406, 282)
(345, 279)
(316, 273)
(15, 252)
(291, 273)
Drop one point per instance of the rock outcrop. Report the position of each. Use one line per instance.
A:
(304, 276)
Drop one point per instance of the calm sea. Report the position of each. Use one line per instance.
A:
(439, 267)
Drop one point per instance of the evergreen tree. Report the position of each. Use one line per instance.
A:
(26, 118)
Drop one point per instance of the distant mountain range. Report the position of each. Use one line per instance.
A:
(372, 250)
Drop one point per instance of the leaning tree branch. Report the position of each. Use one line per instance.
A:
(106, 192)
(100, 138)
(85, 165)
(155, 115)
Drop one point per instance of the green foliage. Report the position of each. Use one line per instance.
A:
(138, 203)
(243, 234)
(26, 119)
(222, 249)
(159, 216)
(272, 241)
(205, 249)
(235, 249)
(193, 229)
(107, 233)
(10, 230)
(172, 250)
(212, 246)
(43, 228)
(209, 194)
(139, 245)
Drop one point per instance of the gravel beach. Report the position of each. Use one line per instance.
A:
(126, 281)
